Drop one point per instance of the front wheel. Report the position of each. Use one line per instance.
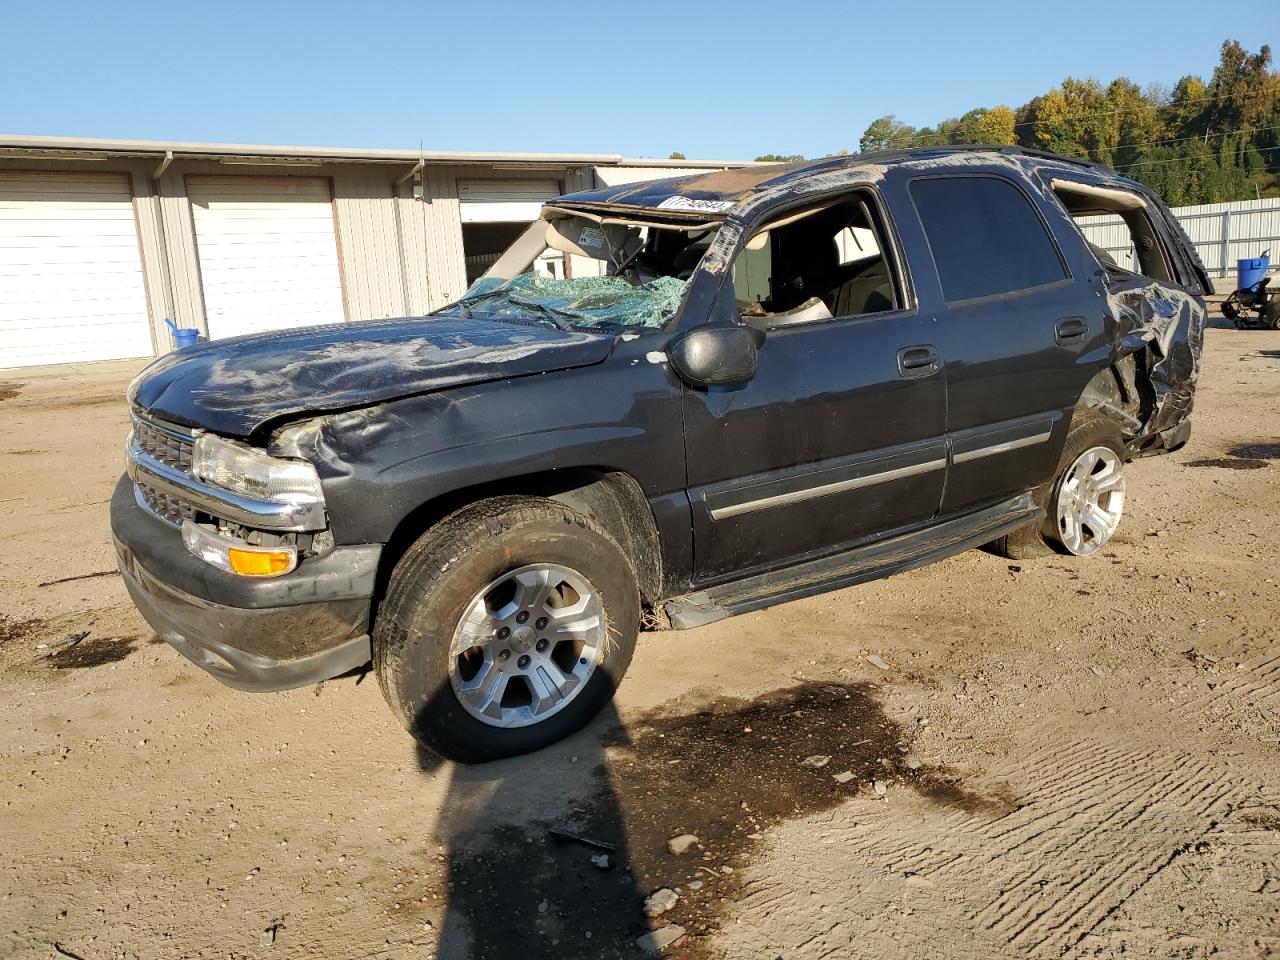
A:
(1084, 503)
(505, 628)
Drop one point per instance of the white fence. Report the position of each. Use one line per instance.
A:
(1222, 232)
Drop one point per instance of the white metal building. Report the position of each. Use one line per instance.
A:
(1222, 232)
(101, 240)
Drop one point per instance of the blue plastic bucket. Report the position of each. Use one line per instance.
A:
(1250, 270)
(185, 337)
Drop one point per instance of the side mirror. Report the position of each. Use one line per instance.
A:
(716, 356)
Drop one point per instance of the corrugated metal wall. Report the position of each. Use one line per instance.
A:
(1222, 232)
(369, 239)
(399, 254)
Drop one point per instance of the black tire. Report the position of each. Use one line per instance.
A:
(437, 578)
(1272, 313)
(1089, 428)
(1229, 308)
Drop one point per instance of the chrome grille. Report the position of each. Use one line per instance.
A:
(166, 445)
(172, 447)
(173, 509)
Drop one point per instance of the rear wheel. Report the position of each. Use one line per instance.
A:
(1085, 502)
(505, 628)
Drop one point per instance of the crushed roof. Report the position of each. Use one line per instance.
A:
(729, 187)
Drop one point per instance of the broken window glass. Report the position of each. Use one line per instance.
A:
(575, 303)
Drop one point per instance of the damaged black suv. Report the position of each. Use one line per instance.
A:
(665, 404)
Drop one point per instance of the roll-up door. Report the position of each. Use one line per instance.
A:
(504, 201)
(71, 286)
(268, 253)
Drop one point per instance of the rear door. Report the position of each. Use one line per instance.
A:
(1021, 335)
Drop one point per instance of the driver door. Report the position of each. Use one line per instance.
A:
(839, 439)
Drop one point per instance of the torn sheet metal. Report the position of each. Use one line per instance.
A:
(582, 303)
(717, 186)
(1163, 329)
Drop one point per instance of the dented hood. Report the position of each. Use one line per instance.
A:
(235, 386)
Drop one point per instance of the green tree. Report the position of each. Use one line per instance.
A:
(885, 133)
(984, 125)
(929, 137)
(1243, 89)
(779, 158)
(1195, 142)
(677, 155)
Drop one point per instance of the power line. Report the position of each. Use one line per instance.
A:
(1204, 136)
(1146, 163)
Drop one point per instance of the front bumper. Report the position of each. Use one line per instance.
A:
(269, 634)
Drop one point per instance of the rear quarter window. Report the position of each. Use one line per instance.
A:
(985, 236)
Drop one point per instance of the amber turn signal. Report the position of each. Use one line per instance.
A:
(235, 555)
(253, 563)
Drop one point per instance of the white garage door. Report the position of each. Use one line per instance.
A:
(70, 274)
(504, 201)
(268, 253)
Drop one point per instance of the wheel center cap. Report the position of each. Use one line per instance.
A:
(522, 638)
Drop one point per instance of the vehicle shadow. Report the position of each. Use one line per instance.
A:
(517, 837)
(537, 862)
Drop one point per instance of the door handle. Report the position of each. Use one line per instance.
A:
(1070, 330)
(918, 361)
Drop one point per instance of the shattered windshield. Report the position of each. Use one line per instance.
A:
(580, 271)
(575, 303)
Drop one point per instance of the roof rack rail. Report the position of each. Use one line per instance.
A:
(904, 152)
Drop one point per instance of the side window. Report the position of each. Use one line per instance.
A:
(985, 236)
(815, 264)
(1118, 229)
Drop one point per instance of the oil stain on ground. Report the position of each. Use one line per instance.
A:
(13, 630)
(1229, 463)
(1256, 451)
(92, 652)
(726, 774)
(1244, 456)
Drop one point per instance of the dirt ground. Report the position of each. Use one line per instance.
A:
(1054, 758)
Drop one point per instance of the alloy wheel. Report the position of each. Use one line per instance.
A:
(526, 645)
(1090, 501)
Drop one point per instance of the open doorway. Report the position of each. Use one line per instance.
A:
(483, 243)
(495, 213)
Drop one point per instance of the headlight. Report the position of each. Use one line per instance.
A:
(236, 556)
(251, 472)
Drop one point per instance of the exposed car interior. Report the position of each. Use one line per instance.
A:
(817, 264)
(1138, 250)
(637, 249)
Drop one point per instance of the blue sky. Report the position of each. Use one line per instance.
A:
(643, 79)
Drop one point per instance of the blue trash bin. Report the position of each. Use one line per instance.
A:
(182, 336)
(1251, 269)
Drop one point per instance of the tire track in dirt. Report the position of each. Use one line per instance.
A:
(1257, 685)
(1092, 826)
